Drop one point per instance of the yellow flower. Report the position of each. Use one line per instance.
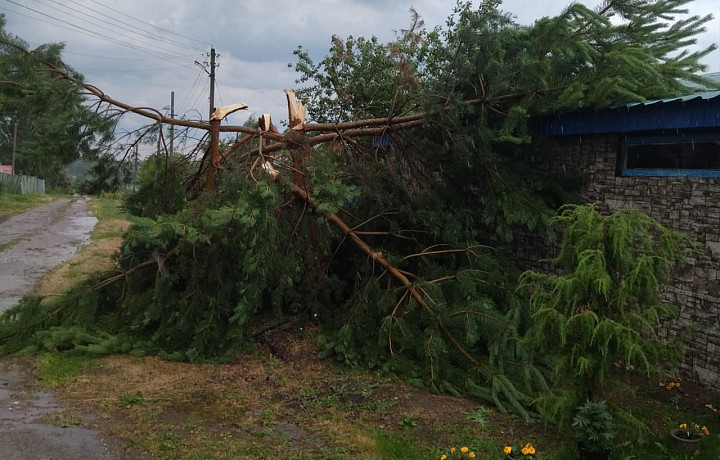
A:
(471, 455)
(452, 450)
(443, 457)
(507, 449)
(464, 449)
(705, 431)
(528, 449)
(683, 426)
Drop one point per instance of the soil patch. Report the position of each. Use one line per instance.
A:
(303, 405)
(35, 425)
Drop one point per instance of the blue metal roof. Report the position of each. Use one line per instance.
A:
(698, 110)
(689, 97)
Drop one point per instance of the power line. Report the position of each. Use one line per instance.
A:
(107, 27)
(144, 69)
(217, 89)
(93, 33)
(189, 95)
(114, 58)
(86, 20)
(151, 25)
(135, 29)
(196, 101)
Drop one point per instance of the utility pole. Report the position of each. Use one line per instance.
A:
(13, 147)
(212, 79)
(135, 176)
(172, 126)
(212, 82)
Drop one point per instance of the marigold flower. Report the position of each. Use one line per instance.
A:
(683, 426)
(705, 431)
(452, 450)
(507, 449)
(443, 457)
(464, 450)
(531, 450)
(471, 455)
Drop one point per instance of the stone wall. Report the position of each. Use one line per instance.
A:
(688, 204)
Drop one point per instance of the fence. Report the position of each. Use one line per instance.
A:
(26, 185)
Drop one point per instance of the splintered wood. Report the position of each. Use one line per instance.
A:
(296, 111)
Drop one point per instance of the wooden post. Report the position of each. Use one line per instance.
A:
(13, 148)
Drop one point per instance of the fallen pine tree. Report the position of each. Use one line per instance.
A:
(399, 250)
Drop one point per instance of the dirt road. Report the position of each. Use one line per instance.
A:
(35, 242)
(34, 425)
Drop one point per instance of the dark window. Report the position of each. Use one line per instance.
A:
(681, 154)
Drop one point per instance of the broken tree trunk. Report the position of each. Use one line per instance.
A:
(215, 120)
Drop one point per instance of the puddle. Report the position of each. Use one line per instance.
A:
(40, 240)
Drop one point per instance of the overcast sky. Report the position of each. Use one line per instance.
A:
(138, 51)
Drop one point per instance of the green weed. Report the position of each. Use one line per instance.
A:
(479, 415)
(408, 422)
(127, 400)
(56, 370)
(397, 447)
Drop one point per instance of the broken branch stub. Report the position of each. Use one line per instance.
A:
(296, 111)
(224, 111)
(215, 120)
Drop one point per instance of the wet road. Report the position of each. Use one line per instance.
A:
(35, 242)
(34, 424)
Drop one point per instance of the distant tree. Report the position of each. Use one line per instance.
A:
(55, 122)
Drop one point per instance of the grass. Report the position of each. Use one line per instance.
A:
(306, 407)
(56, 370)
(94, 257)
(15, 204)
(302, 407)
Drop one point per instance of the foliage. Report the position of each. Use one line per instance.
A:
(161, 191)
(602, 306)
(593, 427)
(362, 78)
(480, 415)
(177, 306)
(54, 124)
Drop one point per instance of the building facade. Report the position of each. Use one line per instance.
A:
(662, 157)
